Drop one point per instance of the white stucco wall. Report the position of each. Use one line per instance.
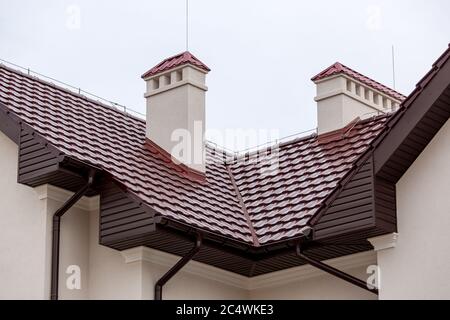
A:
(419, 266)
(109, 276)
(23, 225)
(322, 287)
(74, 249)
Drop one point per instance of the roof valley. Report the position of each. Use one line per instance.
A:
(243, 206)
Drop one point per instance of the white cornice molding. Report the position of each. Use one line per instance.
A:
(264, 281)
(304, 272)
(359, 83)
(48, 191)
(384, 242)
(352, 96)
(193, 267)
(175, 85)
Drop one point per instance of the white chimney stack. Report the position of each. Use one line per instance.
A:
(176, 108)
(344, 95)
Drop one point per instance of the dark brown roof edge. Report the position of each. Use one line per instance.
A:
(411, 99)
(437, 65)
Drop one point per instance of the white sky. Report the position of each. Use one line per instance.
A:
(262, 53)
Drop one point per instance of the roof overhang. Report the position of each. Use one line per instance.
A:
(420, 117)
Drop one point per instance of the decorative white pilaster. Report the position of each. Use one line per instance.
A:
(384, 242)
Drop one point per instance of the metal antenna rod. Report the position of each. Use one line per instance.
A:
(393, 65)
(187, 25)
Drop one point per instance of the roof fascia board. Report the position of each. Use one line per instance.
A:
(412, 115)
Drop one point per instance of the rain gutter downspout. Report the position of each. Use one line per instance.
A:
(177, 267)
(56, 229)
(335, 272)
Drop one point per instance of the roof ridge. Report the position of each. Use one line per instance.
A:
(243, 207)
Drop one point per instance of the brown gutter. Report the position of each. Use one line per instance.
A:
(335, 272)
(56, 233)
(177, 267)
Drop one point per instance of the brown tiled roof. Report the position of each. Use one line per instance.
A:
(281, 203)
(176, 61)
(339, 68)
(237, 200)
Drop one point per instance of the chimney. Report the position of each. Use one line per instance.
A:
(175, 97)
(344, 95)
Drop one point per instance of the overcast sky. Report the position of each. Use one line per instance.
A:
(262, 53)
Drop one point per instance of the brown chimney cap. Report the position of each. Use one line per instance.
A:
(176, 61)
(339, 68)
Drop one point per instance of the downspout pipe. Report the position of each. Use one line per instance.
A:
(333, 271)
(57, 230)
(177, 267)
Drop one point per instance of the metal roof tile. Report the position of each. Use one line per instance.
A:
(279, 206)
